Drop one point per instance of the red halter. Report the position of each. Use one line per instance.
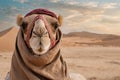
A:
(29, 31)
(41, 11)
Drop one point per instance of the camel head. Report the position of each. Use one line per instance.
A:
(40, 28)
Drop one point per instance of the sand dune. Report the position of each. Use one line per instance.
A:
(92, 35)
(5, 31)
(90, 39)
(7, 39)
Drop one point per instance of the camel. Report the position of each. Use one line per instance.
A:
(37, 54)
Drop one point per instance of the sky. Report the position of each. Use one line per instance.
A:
(97, 16)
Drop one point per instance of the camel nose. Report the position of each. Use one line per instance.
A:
(40, 25)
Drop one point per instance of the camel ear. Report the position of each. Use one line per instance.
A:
(60, 19)
(19, 20)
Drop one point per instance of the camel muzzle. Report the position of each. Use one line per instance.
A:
(47, 26)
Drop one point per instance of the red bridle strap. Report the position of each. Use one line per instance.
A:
(48, 27)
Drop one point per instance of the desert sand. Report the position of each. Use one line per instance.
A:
(97, 57)
(7, 39)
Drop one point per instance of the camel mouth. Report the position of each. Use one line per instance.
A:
(39, 51)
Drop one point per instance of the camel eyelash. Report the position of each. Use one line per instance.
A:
(55, 25)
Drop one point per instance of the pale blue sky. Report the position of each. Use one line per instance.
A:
(99, 16)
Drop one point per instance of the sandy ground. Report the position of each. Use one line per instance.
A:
(7, 41)
(5, 61)
(95, 63)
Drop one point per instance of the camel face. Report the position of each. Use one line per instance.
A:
(40, 41)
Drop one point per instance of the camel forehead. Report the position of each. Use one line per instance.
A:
(30, 18)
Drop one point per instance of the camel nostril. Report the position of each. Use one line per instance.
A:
(40, 43)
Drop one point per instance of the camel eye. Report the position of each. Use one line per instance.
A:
(24, 25)
(55, 25)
